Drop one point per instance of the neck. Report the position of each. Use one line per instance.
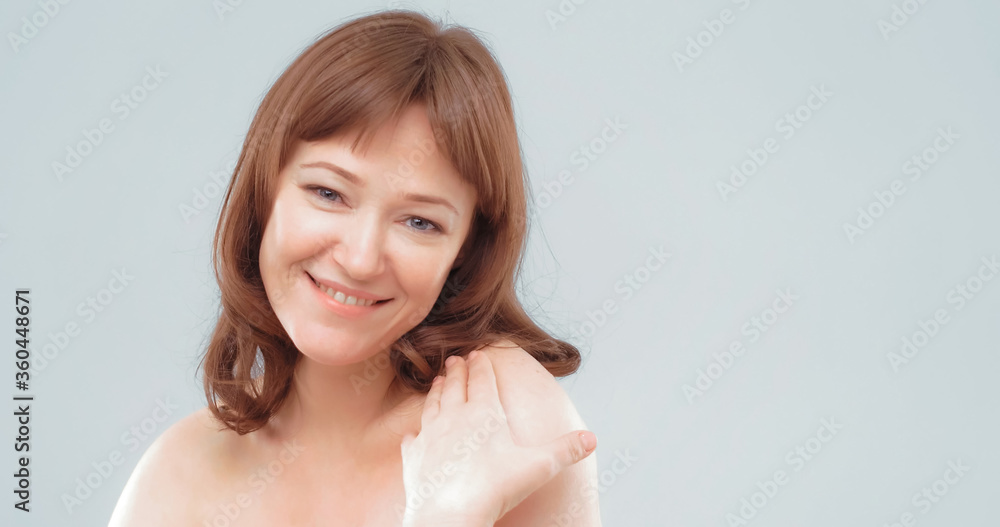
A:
(344, 406)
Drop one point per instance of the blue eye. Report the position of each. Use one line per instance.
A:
(429, 223)
(325, 193)
(422, 225)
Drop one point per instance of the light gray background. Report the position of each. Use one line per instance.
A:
(655, 185)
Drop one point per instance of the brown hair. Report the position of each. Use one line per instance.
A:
(354, 78)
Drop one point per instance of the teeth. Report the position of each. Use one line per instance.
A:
(344, 299)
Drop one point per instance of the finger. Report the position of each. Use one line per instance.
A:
(570, 449)
(432, 404)
(550, 459)
(455, 383)
(482, 380)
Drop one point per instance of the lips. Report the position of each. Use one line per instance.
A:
(345, 295)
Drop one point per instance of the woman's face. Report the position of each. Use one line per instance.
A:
(384, 224)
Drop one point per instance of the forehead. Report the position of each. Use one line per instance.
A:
(402, 155)
(410, 137)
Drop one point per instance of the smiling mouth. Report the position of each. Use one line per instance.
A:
(343, 298)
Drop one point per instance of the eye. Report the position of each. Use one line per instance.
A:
(419, 225)
(325, 193)
(425, 223)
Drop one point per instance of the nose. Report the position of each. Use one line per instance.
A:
(359, 250)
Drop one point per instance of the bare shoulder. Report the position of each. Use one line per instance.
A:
(536, 405)
(539, 410)
(175, 470)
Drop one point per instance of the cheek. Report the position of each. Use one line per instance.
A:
(294, 234)
(271, 268)
(266, 256)
(424, 278)
(281, 247)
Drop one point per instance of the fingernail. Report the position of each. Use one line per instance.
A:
(450, 361)
(473, 354)
(589, 440)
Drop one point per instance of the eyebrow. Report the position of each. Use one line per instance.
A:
(353, 178)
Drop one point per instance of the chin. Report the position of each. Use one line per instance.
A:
(333, 347)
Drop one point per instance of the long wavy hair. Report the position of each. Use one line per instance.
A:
(354, 78)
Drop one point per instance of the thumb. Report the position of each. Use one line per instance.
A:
(572, 447)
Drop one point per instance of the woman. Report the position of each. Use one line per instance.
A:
(348, 276)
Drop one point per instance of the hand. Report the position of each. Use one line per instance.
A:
(464, 468)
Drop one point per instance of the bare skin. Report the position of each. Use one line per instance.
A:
(195, 474)
(332, 453)
(293, 480)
